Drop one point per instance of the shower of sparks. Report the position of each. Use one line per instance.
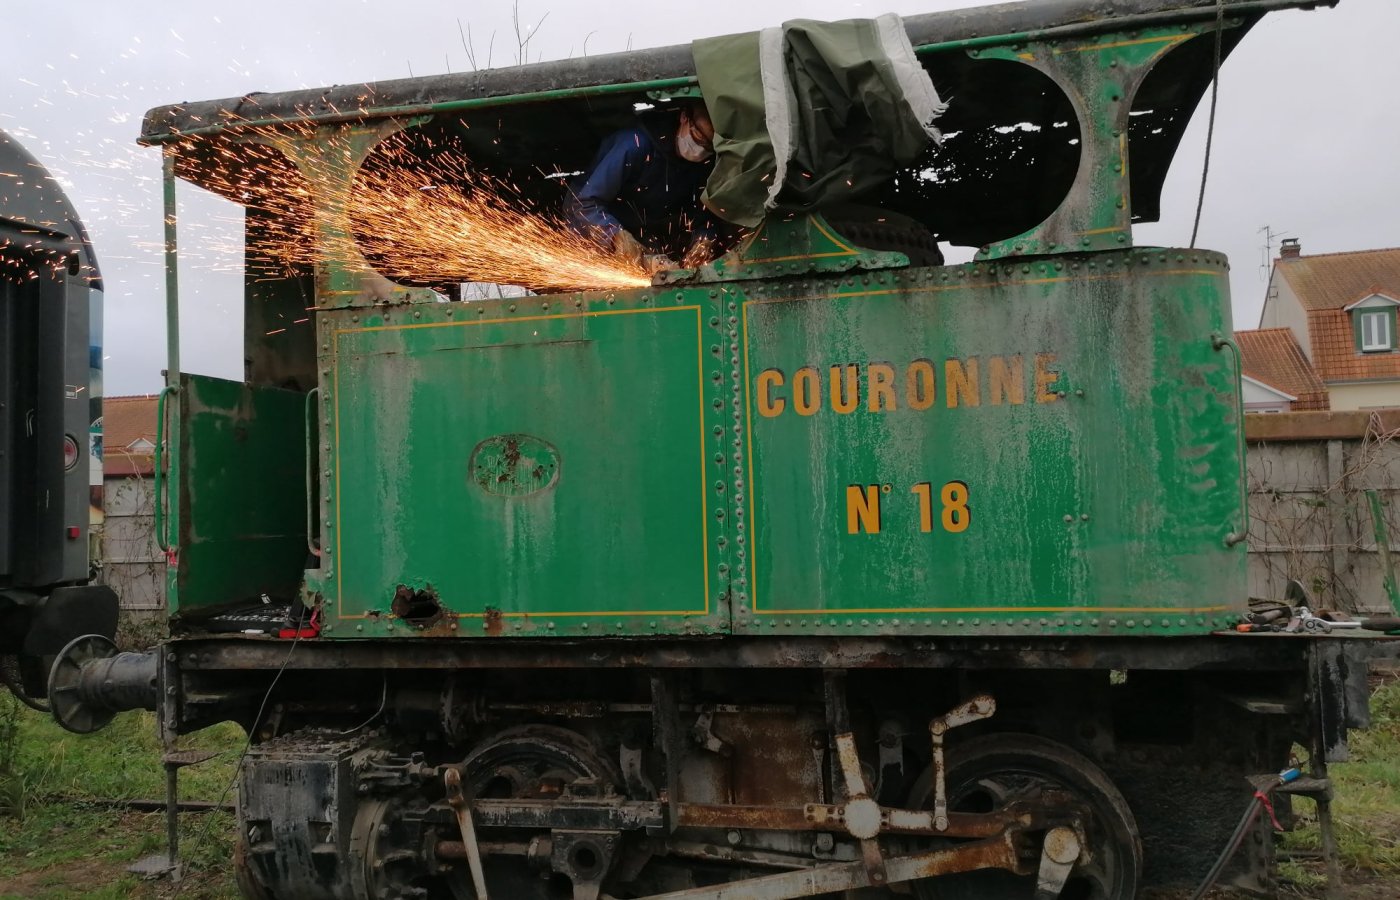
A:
(418, 214)
(423, 226)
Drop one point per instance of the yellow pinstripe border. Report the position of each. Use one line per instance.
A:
(752, 484)
(704, 494)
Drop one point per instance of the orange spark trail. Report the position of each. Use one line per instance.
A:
(416, 217)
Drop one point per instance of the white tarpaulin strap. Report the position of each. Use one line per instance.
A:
(777, 106)
(778, 100)
(918, 88)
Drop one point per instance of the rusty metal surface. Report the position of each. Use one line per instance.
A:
(452, 779)
(770, 760)
(999, 853)
(1224, 652)
(825, 817)
(574, 815)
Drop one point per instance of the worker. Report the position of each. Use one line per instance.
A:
(640, 198)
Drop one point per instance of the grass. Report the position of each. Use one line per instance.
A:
(57, 840)
(1366, 808)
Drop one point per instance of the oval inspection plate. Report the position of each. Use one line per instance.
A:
(514, 465)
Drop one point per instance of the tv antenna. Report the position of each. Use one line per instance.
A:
(1270, 238)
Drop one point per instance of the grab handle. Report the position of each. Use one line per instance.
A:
(159, 490)
(311, 517)
(1220, 342)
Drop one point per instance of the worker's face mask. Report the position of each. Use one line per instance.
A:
(688, 147)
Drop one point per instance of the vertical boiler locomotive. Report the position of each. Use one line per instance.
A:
(823, 567)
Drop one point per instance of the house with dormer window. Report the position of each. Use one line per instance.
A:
(1341, 309)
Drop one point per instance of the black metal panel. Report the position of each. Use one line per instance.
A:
(9, 345)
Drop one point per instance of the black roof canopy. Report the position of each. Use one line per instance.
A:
(407, 95)
(1012, 147)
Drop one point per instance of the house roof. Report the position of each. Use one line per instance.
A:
(125, 421)
(1326, 285)
(1272, 357)
(1337, 280)
(1335, 355)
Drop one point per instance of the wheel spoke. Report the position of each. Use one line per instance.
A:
(989, 772)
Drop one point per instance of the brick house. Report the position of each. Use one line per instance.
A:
(1277, 374)
(1341, 311)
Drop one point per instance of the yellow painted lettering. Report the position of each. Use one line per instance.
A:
(956, 513)
(924, 491)
(845, 392)
(919, 384)
(806, 391)
(768, 405)
(880, 387)
(1007, 379)
(1045, 378)
(960, 382)
(863, 509)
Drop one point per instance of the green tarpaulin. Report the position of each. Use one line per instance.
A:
(811, 114)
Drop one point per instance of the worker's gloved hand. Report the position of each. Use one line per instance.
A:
(701, 251)
(656, 262)
(628, 247)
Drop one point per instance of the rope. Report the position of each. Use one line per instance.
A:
(1210, 130)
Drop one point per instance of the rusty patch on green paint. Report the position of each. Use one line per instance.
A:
(514, 465)
(417, 607)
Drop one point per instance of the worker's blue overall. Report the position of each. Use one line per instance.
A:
(639, 184)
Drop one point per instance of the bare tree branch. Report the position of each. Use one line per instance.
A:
(467, 43)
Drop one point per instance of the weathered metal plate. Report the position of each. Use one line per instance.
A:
(1037, 447)
(545, 465)
(239, 498)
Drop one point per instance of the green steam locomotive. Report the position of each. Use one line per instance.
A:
(818, 569)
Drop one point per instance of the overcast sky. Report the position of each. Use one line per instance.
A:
(1307, 138)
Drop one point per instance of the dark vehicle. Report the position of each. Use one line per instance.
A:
(819, 568)
(50, 425)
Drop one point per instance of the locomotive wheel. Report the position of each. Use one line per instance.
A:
(534, 762)
(990, 771)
